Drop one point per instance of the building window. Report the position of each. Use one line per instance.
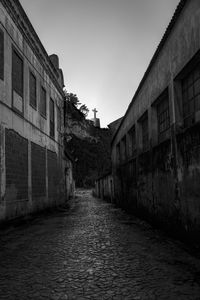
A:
(17, 81)
(52, 119)
(123, 148)
(1, 55)
(43, 102)
(59, 119)
(131, 141)
(191, 94)
(145, 133)
(163, 115)
(32, 90)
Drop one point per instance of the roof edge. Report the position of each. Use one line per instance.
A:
(50, 69)
(171, 25)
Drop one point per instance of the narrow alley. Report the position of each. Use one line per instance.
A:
(93, 250)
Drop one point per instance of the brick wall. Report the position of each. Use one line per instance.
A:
(16, 149)
(38, 174)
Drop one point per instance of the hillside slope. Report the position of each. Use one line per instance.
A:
(88, 145)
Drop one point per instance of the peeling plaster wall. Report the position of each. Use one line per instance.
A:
(18, 132)
(36, 122)
(182, 44)
(164, 186)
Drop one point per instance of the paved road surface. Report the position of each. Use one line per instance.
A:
(94, 251)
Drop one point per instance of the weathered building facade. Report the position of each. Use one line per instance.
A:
(104, 188)
(34, 172)
(156, 149)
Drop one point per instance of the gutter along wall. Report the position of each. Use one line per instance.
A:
(156, 149)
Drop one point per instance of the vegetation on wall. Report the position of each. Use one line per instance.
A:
(88, 145)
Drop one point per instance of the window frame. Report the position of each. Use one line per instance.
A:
(190, 91)
(163, 114)
(2, 55)
(51, 122)
(14, 50)
(31, 73)
(44, 115)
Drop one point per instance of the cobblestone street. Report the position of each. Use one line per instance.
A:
(93, 251)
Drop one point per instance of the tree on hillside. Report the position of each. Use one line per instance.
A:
(72, 98)
(84, 109)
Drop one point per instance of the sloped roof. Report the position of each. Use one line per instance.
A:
(167, 33)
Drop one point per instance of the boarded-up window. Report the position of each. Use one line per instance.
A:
(43, 102)
(52, 119)
(17, 73)
(191, 94)
(32, 90)
(1, 54)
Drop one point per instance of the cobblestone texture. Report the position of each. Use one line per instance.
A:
(94, 251)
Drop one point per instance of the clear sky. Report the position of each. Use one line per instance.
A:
(104, 46)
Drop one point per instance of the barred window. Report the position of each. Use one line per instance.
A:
(145, 133)
(131, 141)
(17, 73)
(32, 90)
(1, 55)
(163, 115)
(191, 92)
(43, 102)
(52, 119)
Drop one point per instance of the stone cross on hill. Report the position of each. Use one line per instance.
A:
(95, 113)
